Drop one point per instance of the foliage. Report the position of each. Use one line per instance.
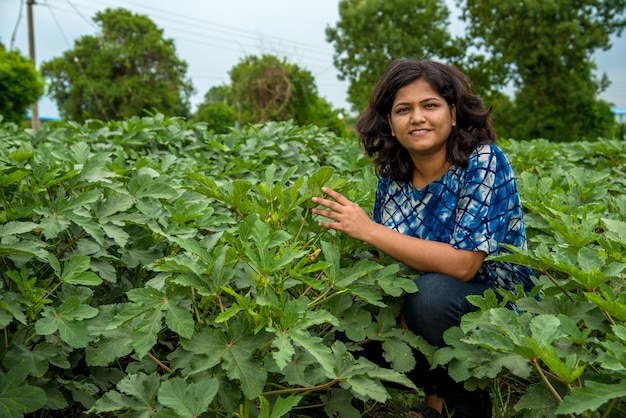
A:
(372, 33)
(20, 85)
(264, 88)
(546, 48)
(220, 117)
(152, 268)
(566, 343)
(126, 70)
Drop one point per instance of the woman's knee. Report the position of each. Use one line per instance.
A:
(432, 294)
(438, 304)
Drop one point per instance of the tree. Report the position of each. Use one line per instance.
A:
(20, 85)
(216, 110)
(127, 69)
(372, 33)
(546, 49)
(265, 88)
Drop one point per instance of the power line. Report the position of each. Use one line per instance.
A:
(17, 24)
(54, 17)
(225, 29)
(81, 15)
(240, 43)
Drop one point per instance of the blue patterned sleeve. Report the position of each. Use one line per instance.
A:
(381, 188)
(489, 211)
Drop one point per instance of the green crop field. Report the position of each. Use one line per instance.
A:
(150, 268)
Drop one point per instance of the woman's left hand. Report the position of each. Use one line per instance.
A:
(348, 217)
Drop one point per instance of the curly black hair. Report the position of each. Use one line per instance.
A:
(473, 119)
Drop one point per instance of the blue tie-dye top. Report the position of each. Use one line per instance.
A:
(474, 208)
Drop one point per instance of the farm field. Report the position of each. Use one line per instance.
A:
(150, 268)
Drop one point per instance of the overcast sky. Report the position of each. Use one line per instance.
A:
(213, 35)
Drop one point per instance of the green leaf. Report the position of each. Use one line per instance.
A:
(114, 203)
(607, 300)
(10, 309)
(399, 354)
(284, 350)
(234, 353)
(137, 392)
(177, 313)
(145, 333)
(339, 404)
(351, 274)
(36, 359)
(545, 329)
(188, 399)
(591, 397)
(331, 255)
(17, 397)
(590, 260)
(239, 365)
(615, 230)
(282, 406)
(110, 346)
(393, 284)
(68, 320)
(16, 228)
(568, 371)
(315, 346)
(366, 388)
(538, 399)
(75, 272)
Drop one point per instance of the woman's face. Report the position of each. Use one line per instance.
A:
(421, 120)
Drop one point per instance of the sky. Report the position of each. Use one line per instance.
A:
(212, 36)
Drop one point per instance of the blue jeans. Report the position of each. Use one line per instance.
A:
(439, 304)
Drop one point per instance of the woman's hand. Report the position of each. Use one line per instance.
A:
(348, 217)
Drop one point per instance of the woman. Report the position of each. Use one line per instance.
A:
(446, 198)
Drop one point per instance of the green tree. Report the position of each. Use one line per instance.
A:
(546, 48)
(266, 88)
(217, 110)
(127, 69)
(20, 85)
(372, 33)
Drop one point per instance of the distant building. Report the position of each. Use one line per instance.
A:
(619, 114)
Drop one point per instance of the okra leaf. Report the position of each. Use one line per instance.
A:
(137, 392)
(591, 397)
(17, 397)
(316, 347)
(68, 320)
(284, 350)
(188, 399)
(110, 346)
(282, 406)
(75, 272)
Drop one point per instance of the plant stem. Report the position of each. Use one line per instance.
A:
(306, 214)
(535, 363)
(553, 280)
(299, 390)
(159, 362)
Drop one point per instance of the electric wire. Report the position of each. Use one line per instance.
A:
(17, 24)
(301, 52)
(54, 17)
(78, 12)
(200, 33)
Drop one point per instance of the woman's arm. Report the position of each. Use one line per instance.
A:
(423, 255)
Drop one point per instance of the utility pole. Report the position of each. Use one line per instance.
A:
(31, 46)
